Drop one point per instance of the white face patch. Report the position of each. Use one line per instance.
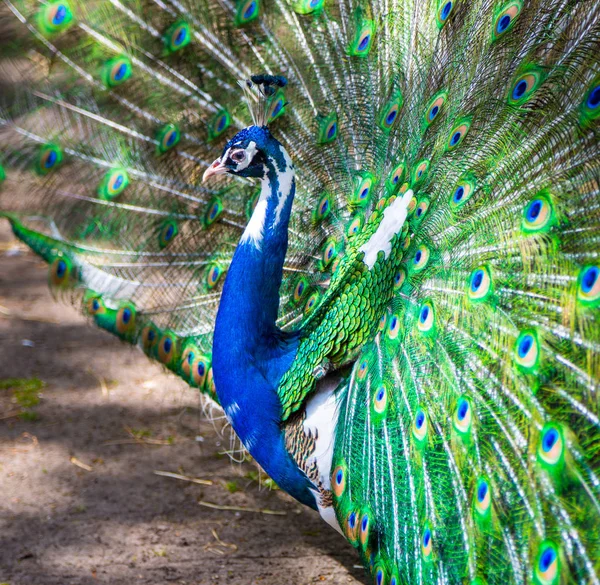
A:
(250, 151)
(394, 216)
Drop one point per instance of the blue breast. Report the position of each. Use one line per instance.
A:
(250, 355)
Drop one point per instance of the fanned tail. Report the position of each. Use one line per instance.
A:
(466, 450)
(467, 444)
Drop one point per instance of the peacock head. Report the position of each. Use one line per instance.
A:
(254, 152)
(249, 153)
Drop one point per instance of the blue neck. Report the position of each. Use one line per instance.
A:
(250, 354)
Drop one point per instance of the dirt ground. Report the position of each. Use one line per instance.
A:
(79, 500)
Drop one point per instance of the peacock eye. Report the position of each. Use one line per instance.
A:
(238, 156)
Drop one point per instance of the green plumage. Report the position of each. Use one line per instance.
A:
(467, 445)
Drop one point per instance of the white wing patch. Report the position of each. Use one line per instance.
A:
(321, 421)
(250, 152)
(393, 219)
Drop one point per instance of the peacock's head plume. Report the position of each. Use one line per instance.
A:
(250, 151)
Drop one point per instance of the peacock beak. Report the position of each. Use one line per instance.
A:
(217, 168)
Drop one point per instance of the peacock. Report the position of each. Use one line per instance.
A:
(368, 230)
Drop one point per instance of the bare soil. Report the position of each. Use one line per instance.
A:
(79, 500)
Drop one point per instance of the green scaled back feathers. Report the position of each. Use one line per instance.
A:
(467, 442)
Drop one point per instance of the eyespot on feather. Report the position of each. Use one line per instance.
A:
(590, 106)
(436, 104)
(308, 6)
(150, 337)
(116, 71)
(420, 171)
(214, 209)
(338, 480)
(115, 181)
(246, 11)
(393, 327)
(364, 530)
(311, 303)
(426, 542)
(323, 208)
(458, 133)
(538, 214)
(395, 177)
(461, 194)
(355, 226)
(177, 36)
(168, 137)
(390, 112)
(482, 498)
(444, 11)
(588, 285)
(351, 526)
(49, 159)
(167, 348)
(93, 304)
(60, 272)
(200, 368)
(213, 275)
(362, 369)
(421, 258)
(420, 426)
(188, 356)
(480, 285)
(330, 251)
(167, 233)
(412, 205)
(421, 208)
(527, 81)
(363, 39)
(125, 319)
(218, 124)
(399, 279)
(300, 288)
(380, 400)
(327, 128)
(547, 566)
(551, 447)
(380, 574)
(527, 351)
(54, 17)
(505, 18)
(362, 191)
(426, 318)
(463, 416)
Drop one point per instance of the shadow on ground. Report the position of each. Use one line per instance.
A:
(80, 502)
